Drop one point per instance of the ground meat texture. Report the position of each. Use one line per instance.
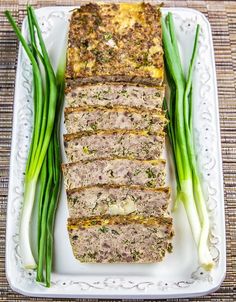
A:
(115, 42)
(127, 144)
(110, 95)
(119, 243)
(150, 173)
(120, 200)
(93, 119)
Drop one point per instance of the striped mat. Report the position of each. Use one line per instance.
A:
(222, 16)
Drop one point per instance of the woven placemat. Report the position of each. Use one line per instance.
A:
(222, 16)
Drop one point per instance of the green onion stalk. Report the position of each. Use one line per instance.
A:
(47, 210)
(179, 113)
(43, 163)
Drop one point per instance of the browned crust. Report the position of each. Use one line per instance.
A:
(72, 136)
(119, 79)
(90, 58)
(159, 112)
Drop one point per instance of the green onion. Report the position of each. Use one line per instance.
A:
(43, 222)
(44, 158)
(57, 167)
(45, 134)
(179, 129)
(30, 182)
(43, 183)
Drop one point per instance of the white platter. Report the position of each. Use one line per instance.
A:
(178, 275)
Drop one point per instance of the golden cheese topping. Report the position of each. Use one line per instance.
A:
(127, 15)
(113, 220)
(110, 40)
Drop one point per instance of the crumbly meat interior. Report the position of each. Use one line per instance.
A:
(111, 144)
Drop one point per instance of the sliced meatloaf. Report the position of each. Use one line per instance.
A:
(120, 239)
(91, 119)
(114, 94)
(117, 171)
(111, 144)
(115, 42)
(118, 200)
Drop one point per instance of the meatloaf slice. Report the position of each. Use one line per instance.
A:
(91, 119)
(114, 94)
(121, 239)
(118, 200)
(111, 144)
(115, 42)
(117, 171)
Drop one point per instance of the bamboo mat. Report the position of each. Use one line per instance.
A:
(222, 16)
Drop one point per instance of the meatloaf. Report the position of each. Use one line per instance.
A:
(120, 239)
(91, 119)
(114, 94)
(117, 171)
(115, 176)
(115, 42)
(118, 200)
(111, 144)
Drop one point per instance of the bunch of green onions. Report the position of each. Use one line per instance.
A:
(180, 133)
(43, 173)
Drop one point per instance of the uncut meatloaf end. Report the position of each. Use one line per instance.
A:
(118, 200)
(117, 171)
(113, 94)
(120, 239)
(111, 144)
(116, 42)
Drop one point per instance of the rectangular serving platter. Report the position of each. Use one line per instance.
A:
(179, 274)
